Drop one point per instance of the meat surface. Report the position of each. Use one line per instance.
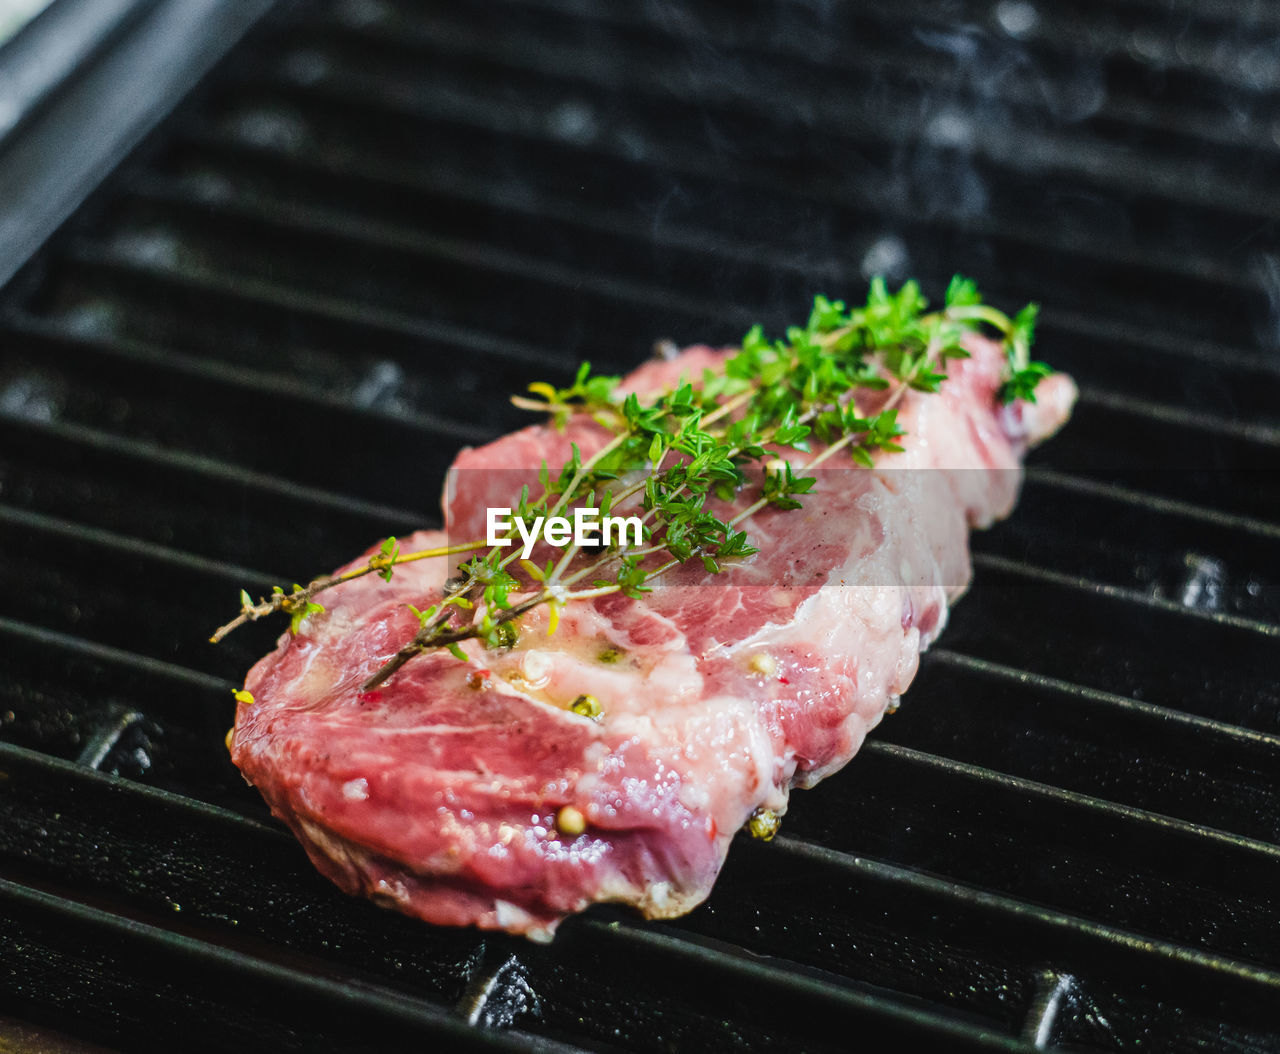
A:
(469, 793)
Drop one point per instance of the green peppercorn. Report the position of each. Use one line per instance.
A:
(764, 824)
(587, 706)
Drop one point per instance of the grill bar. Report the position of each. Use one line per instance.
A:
(211, 509)
(212, 164)
(1140, 754)
(1120, 292)
(870, 110)
(271, 178)
(234, 988)
(991, 561)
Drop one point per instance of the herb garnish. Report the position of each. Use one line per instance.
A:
(671, 456)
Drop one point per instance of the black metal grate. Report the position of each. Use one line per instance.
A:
(259, 343)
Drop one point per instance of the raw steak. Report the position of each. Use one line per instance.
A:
(444, 793)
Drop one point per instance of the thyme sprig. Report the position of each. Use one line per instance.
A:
(674, 456)
(298, 603)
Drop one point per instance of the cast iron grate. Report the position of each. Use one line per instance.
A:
(258, 344)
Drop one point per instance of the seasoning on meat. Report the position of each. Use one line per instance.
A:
(566, 778)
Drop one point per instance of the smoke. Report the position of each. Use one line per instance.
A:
(1204, 583)
(1265, 268)
(1016, 17)
(887, 257)
(984, 86)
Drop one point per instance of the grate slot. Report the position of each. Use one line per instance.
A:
(142, 394)
(204, 508)
(1049, 625)
(124, 593)
(1091, 742)
(107, 739)
(1172, 554)
(64, 696)
(1065, 850)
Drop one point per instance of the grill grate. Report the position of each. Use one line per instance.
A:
(258, 344)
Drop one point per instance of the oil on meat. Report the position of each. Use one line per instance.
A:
(474, 793)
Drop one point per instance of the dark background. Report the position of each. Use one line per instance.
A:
(271, 268)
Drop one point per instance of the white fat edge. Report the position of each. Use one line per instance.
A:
(390, 893)
(856, 726)
(613, 885)
(908, 664)
(664, 901)
(658, 896)
(694, 796)
(888, 656)
(656, 900)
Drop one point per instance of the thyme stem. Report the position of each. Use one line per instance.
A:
(302, 595)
